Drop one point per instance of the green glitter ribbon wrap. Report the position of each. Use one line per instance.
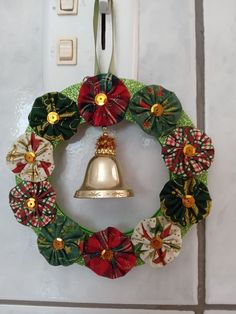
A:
(133, 86)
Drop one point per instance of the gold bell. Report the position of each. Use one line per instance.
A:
(103, 176)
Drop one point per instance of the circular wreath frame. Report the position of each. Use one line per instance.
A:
(133, 87)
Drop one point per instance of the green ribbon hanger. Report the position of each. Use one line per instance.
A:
(108, 53)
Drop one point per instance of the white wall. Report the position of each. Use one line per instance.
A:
(166, 56)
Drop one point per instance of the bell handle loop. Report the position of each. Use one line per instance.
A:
(103, 36)
(105, 130)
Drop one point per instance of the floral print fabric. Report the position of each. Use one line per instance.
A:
(31, 158)
(61, 242)
(155, 109)
(54, 117)
(157, 241)
(185, 201)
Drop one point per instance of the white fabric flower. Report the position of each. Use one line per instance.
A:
(157, 241)
(31, 158)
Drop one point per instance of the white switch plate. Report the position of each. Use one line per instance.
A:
(67, 51)
(67, 7)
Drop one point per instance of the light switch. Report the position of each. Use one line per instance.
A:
(67, 7)
(67, 51)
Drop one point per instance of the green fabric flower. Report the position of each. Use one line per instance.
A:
(155, 109)
(61, 242)
(54, 116)
(185, 202)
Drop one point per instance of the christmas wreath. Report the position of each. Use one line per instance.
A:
(101, 101)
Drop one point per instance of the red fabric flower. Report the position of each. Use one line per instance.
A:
(103, 100)
(188, 151)
(33, 204)
(109, 253)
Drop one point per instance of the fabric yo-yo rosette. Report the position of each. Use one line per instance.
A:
(33, 204)
(61, 242)
(109, 253)
(185, 201)
(31, 158)
(103, 100)
(157, 241)
(155, 109)
(188, 151)
(54, 116)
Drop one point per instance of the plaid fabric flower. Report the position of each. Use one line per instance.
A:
(157, 241)
(33, 204)
(103, 100)
(109, 253)
(31, 158)
(155, 109)
(61, 242)
(188, 151)
(54, 117)
(185, 202)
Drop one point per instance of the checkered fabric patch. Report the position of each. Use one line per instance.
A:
(188, 165)
(115, 102)
(33, 204)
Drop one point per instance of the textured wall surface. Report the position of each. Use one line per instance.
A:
(220, 25)
(169, 51)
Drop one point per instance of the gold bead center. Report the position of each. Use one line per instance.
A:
(189, 150)
(107, 255)
(157, 110)
(58, 244)
(156, 243)
(31, 203)
(188, 201)
(53, 117)
(30, 157)
(100, 99)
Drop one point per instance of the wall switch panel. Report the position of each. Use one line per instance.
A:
(67, 7)
(67, 51)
